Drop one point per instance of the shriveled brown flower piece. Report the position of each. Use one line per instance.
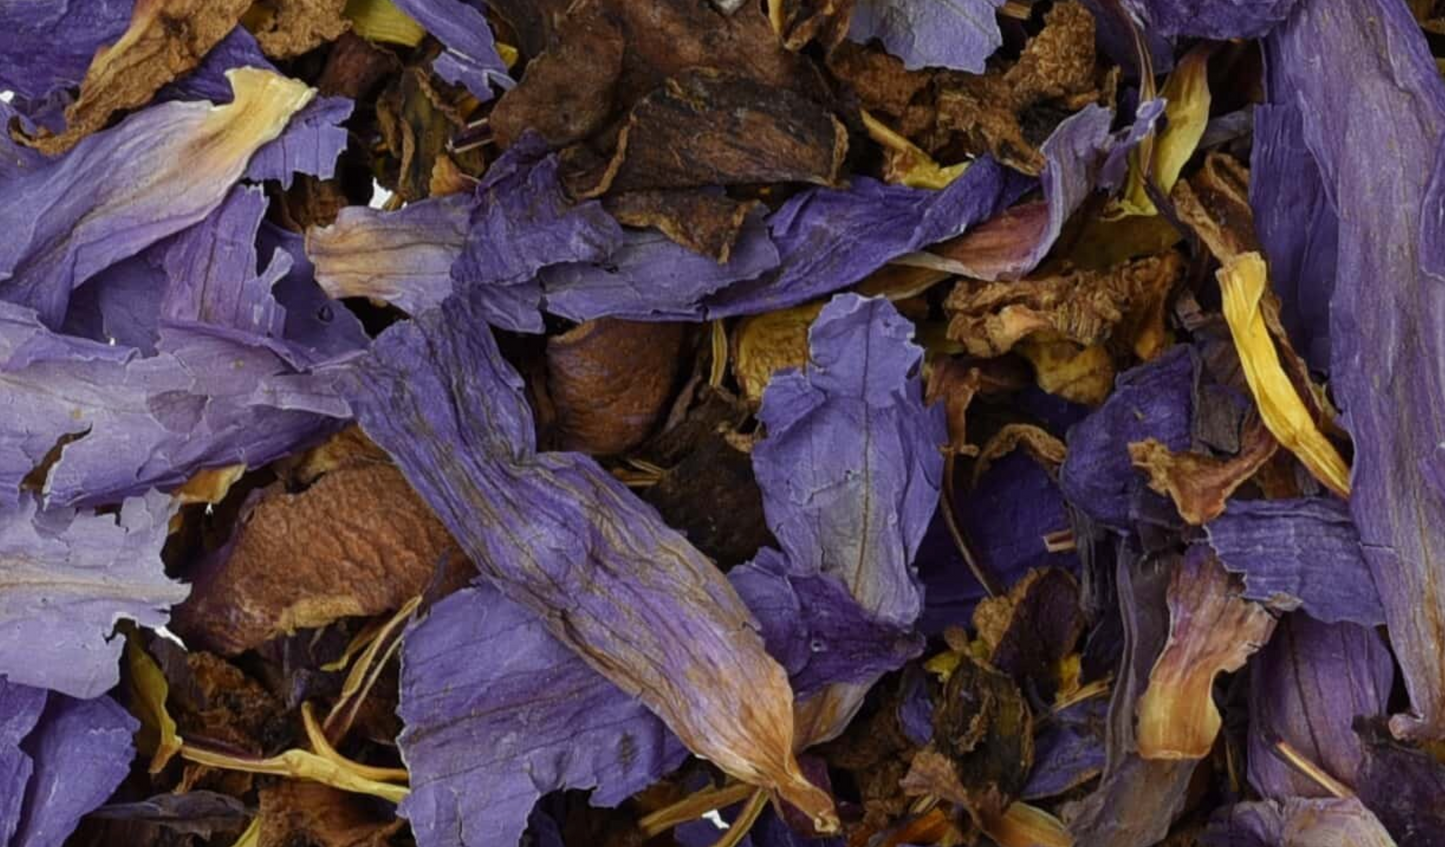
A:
(286, 28)
(609, 381)
(417, 122)
(800, 22)
(1212, 630)
(357, 542)
(1029, 630)
(299, 812)
(165, 39)
(707, 222)
(1198, 484)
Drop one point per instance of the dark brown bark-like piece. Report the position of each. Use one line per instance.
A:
(357, 542)
(713, 128)
(297, 812)
(706, 222)
(354, 67)
(609, 380)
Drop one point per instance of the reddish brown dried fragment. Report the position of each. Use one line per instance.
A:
(609, 381)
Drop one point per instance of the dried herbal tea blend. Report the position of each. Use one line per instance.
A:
(637, 423)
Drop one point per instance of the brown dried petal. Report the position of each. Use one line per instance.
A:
(712, 128)
(956, 382)
(805, 21)
(1086, 307)
(298, 812)
(706, 222)
(880, 80)
(354, 67)
(1043, 447)
(358, 542)
(165, 39)
(1212, 630)
(417, 124)
(1214, 203)
(1033, 627)
(286, 28)
(1199, 485)
(609, 380)
(1057, 62)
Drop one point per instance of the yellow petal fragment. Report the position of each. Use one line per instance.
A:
(321, 745)
(209, 485)
(508, 54)
(1022, 825)
(910, 166)
(148, 690)
(1065, 369)
(1242, 283)
(252, 836)
(1186, 112)
(767, 343)
(382, 21)
(299, 764)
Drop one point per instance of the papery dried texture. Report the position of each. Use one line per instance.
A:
(1082, 306)
(156, 173)
(767, 343)
(1303, 554)
(799, 22)
(986, 111)
(704, 221)
(1152, 401)
(829, 238)
(1242, 283)
(707, 127)
(198, 812)
(851, 469)
(81, 750)
(470, 58)
(1007, 516)
(164, 39)
(1068, 750)
(1137, 799)
(1402, 785)
(960, 35)
(1297, 227)
(1201, 484)
(1306, 688)
(209, 398)
(648, 276)
(1016, 241)
(357, 542)
(691, 651)
(1369, 62)
(68, 577)
(1212, 630)
(418, 123)
(48, 46)
(1219, 20)
(1297, 822)
(522, 221)
(1029, 631)
(402, 257)
(296, 811)
(289, 28)
(20, 708)
(982, 746)
(609, 381)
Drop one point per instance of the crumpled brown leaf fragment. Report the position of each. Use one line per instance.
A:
(983, 743)
(417, 122)
(1214, 203)
(1028, 631)
(707, 127)
(609, 380)
(1199, 484)
(989, 110)
(884, 86)
(165, 39)
(706, 222)
(800, 22)
(286, 28)
(1045, 448)
(300, 812)
(1125, 304)
(357, 542)
(1212, 630)
(955, 381)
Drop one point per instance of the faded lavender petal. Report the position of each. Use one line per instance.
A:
(957, 34)
(470, 58)
(20, 707)
(1366, 82)
(310, 144)
(47, 45)
(118, 191)
(210, 270)
(66, 578)
(403, 257)
(648, 276)
(1296, 226)
(1116, 164)
(1306, 688)
(82, 749)
(315, 323)
(1298, 554)
(122, 303)
(830, 238)
(484, 739)
(1297, 822)
(1154, 400)
(573, 545)
(208, 398)
(521, 222)
(1217, 19)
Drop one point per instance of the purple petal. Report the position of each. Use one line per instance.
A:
(470, 58)
(46, 45)
(1217, 19)
(957, 34)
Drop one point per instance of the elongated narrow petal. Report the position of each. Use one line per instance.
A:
(572, 545)
(119, 191)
